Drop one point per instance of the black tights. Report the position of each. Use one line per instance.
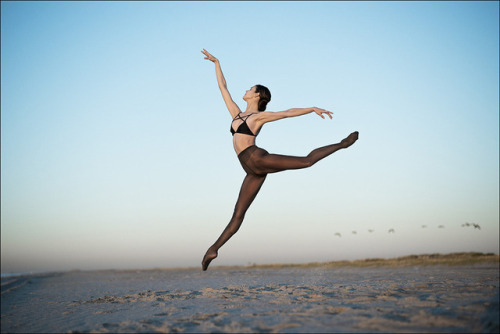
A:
(258, 163)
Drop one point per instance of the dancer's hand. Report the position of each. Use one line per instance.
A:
(320, 111)
(209, 56)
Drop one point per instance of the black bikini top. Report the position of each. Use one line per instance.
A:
(243, 128)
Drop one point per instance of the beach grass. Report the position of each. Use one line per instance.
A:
(451, 259)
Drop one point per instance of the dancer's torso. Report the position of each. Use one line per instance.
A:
(244, 130)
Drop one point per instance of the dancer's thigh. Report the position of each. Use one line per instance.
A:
(272, 163)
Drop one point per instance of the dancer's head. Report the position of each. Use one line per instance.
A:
(260, 94)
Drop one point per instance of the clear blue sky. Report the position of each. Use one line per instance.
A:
(116, 150)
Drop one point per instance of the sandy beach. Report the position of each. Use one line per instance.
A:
(377, 296)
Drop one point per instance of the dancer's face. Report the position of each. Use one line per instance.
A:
(251, 94)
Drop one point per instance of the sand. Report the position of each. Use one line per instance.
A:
(284, 299)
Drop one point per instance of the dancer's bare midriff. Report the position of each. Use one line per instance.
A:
(242, 141)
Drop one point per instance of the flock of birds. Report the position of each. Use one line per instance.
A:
(474, 225)
(391, 230)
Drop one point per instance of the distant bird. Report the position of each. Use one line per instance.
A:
(476, 226)
(338, 234)
(440, 226)
(466, 224)
(424, 226)
(371, 231)
(354, 232)
(391, 230)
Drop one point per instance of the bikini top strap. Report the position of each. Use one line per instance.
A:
(243, 119)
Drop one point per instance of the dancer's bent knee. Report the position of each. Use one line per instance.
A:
(310, 160)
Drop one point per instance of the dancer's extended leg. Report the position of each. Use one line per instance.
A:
(272, 163)
(249, 189)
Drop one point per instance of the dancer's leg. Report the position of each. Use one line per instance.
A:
(272, 163)
(249, 189)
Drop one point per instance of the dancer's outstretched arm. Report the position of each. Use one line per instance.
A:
(230, 104)
(269, 116)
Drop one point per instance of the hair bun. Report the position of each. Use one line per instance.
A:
(263, 104)
(265, 96)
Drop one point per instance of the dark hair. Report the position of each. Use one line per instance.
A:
(265, 96)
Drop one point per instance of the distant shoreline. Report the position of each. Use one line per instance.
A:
(450, 259)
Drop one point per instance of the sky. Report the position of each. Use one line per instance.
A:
(116, 151)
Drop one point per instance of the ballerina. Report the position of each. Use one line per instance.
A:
(256, 161)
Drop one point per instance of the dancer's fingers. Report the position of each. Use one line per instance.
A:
(208, 56)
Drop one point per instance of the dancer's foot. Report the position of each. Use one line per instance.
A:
(209, 256)
(349, 140)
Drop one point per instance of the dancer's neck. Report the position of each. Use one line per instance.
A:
(252, 106)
